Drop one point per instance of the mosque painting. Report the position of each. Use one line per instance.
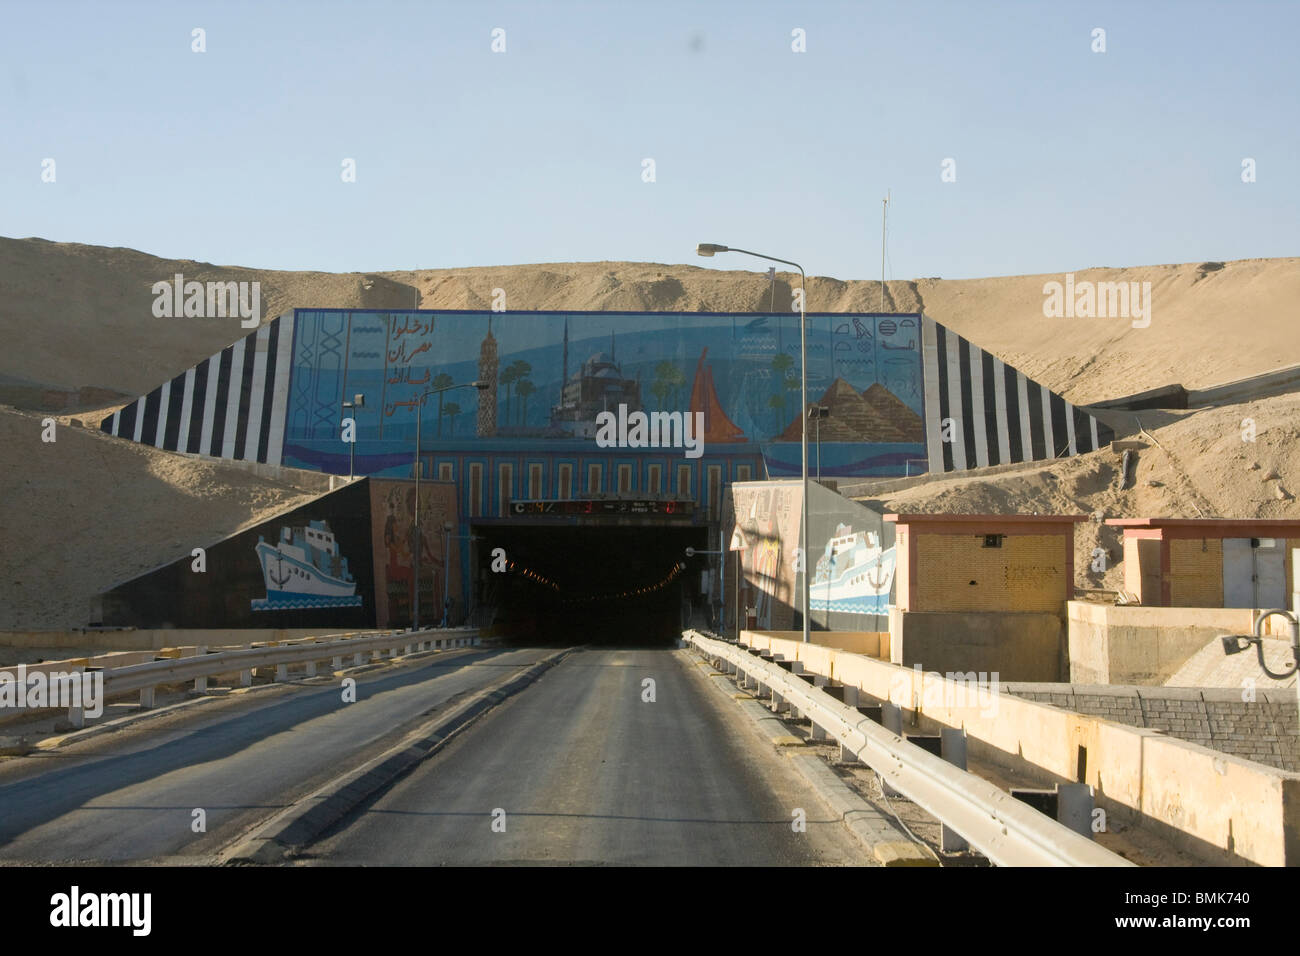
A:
(550, 375)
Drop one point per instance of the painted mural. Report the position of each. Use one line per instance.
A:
(393, 542)
(853, 558)
(551, 375)
(853, 574)
(905, 395)
(766, 535)
(318, 573)
(304, 569)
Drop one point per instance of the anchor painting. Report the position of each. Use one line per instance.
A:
(305, 570)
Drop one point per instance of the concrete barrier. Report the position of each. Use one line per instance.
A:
(1114, 644)
(1220, 808)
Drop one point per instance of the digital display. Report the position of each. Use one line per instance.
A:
(593, 506)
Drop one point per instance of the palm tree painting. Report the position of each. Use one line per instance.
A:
(512, 373)
(523, 389)
(668, 381)
(781, 365)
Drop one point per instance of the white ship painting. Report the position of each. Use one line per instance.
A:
(305, 570)
(853, 575)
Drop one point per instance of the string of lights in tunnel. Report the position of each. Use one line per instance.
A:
(541, 579)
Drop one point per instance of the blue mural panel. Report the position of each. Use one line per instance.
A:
(551, 375)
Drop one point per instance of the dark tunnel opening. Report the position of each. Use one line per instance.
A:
(590, 584)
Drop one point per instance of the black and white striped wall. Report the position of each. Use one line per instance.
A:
(232, 405)
(996, 415)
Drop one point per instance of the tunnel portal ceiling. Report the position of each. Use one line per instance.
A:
(592, 559)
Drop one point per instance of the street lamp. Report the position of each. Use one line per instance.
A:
(358, 401)
(418, 542)
(1236, 643)
(817, 413)
(708, 249)
(447, 528)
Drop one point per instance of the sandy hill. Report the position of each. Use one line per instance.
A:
(78, 315)
(87, 511)
(1196, 464)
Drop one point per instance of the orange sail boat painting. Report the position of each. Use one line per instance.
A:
(718, 428)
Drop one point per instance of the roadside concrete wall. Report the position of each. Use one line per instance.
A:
(1266, 729)
(1110, 644)
(868, 643)
(1018, 645)
(1218, 807)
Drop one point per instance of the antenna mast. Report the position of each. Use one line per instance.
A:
(884, 209)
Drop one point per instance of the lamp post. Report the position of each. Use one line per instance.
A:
(817, 413)
(447, 527)
(417, 543)
(692, 552)
(358, 401)
(1236, 643)
(708, 249)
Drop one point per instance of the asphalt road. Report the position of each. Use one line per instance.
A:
(130, 795)
(582, 770)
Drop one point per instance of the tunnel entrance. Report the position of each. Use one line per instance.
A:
(620, 581)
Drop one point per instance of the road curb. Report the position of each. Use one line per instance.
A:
(879, 834)
(307, 818)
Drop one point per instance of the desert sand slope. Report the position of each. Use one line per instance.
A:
(87, 511)
(1208, 325)
(1201, 467)
(77, 315)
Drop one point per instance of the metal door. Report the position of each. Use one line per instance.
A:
(1270, 575)
(1238, 573)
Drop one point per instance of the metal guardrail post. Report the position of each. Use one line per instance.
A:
(77, 715)
(995, 823)
(201, 682)
(796, 668)
(850, 700)
(891, 718)
(953, 750)
(816, 731)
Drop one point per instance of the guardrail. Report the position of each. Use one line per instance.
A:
(1007, 831)
(146, 677)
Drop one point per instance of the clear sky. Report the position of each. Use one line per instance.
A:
(1065, 158)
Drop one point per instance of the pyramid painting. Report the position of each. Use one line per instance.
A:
(875, 415)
